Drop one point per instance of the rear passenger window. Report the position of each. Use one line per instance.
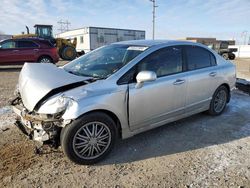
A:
(27, 44)
(46, 42)
(198, 58)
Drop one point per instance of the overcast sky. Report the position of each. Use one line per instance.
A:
(223, 19)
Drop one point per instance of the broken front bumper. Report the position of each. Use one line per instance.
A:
(35, 127)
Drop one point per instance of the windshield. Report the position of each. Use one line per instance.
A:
(104, 61)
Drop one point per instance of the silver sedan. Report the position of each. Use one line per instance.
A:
(117, 91)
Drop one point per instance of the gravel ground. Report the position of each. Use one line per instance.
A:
(199, 151)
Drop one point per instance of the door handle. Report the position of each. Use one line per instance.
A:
(15, 50)
(179, 81)
(213, 74)
(36, 50)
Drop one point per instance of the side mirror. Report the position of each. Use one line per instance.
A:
(144, 76)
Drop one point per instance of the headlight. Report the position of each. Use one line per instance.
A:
(62, 103)
(55, 105)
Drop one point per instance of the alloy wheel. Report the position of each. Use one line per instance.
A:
(45, 60)
(220, 101)
(91, 140)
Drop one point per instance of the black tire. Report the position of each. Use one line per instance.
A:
(216, 108)
(75, 135)
(60, 52)
(45, 59)
(232, 56)
(225, 56)
(80, 53)
(68, 53)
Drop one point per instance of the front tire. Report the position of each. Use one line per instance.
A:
(68, 53)
(219, 101)
(89, 138)
(225, 56)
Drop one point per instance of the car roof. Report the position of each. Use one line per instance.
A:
(33, 39)
(28, 39)
(150, 43)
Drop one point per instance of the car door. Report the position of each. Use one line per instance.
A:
(163, 99)
(27, 50)
(201, 78)
(8, 51)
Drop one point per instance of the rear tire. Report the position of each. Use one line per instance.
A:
(219, 101)
(232, 57)
(45, 59)
(89, 138)
(80, 53)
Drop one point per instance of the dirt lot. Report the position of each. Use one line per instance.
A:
(200, 151)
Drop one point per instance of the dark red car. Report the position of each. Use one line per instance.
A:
(18, 51)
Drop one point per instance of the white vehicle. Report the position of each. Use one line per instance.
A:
(90, 38)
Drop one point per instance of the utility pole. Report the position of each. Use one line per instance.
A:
(154, 6)
(64, 25)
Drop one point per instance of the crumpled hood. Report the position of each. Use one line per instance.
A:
(36, 81)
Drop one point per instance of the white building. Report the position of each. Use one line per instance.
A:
(90, 38)
(243, 51)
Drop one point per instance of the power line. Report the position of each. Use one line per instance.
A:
(64, 25)
(244, 35)
(154, 6)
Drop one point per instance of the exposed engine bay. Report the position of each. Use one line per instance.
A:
(44, 128)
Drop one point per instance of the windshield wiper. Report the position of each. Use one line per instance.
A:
(78, 74)
(86, 75)
(71, 72)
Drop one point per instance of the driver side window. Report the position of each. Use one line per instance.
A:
(163, 62)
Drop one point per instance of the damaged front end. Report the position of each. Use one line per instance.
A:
(44, 128)
(40, 102)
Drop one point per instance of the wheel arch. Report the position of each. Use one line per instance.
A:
(112, 115)
(228, 90)
(45, 55)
